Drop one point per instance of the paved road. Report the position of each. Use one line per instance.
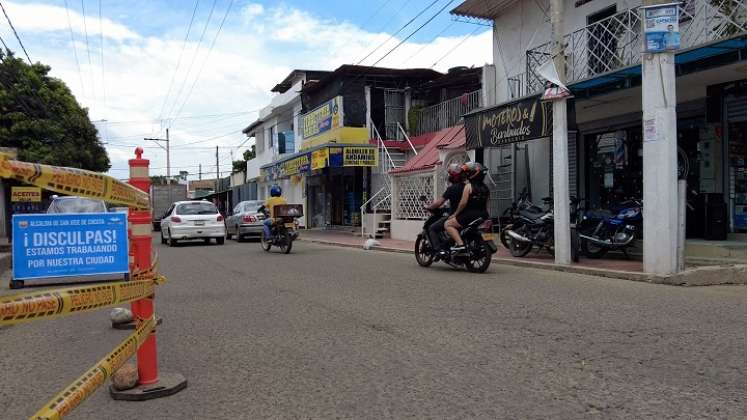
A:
(341, 333)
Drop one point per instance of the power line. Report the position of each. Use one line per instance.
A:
(413, 32)
(4, 44)
(370, 17)
(192, 62)
(179, 60)
(456, 46)
(429, 43)
(88, 50)
(75, 49)
(15, 33)
(207, 57)
(186, 117)
(398, 31)
(103, 76)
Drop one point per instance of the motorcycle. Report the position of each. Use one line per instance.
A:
(601, 231)
(284, 230)
(512, 215)
(478, 239)
(536, 227)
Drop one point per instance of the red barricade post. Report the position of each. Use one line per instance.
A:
(151, 384)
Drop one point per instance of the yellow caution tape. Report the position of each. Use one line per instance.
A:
(53, 303)
(73, 181)
(72, 396)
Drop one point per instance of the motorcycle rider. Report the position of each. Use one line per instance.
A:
(452, 194)
(473, 204)
(275, 199)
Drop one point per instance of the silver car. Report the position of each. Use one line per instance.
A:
(192, 220)
(73, 204)
(245, 221)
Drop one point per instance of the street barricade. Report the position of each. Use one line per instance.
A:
(139, 290)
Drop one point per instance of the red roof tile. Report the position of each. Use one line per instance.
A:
(448, 138)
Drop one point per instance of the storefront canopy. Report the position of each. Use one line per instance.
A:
(320, 157)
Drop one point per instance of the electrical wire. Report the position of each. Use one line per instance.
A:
(398, 31)
(15, 33)
(103, 73)
(75, 49)
(413, 32)
(88, 49)
(179, 60)
(207, 58)
(456, 46)
(373, 15)
(192, 62)
(430, 42)
(4, 44)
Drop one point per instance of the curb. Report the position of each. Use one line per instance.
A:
(697, 276)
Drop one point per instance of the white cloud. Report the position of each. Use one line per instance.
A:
(249, 58)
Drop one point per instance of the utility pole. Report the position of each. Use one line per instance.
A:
(200, 175)
(660, 214)
(561, 191)
(168, 160)
(217, 169)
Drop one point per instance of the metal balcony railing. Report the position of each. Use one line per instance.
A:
(444, 114)
(616, 42)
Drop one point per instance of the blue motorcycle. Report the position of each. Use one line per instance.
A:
(602, 230)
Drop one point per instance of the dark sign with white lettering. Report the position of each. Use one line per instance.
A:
(524, 120)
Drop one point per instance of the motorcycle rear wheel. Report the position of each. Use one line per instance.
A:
(286, 243)
(518, 248)
(422, 254)
(593, 251)
(505, 239)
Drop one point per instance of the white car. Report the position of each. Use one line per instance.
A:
(192, 220)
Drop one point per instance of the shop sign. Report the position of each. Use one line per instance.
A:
(335, 157)
(319, 158)
(360, 156)
(25, 195)
(662, 30)
(511, 123)
(59, 245)
(299, 164)
(323, 118)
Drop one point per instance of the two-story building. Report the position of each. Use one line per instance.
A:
(602, 46)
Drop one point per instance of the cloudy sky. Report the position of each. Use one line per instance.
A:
(133, 68)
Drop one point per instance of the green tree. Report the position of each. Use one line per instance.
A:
(41, 117)
(250, 154)
(239, 165)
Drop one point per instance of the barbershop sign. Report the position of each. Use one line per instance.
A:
(515, 122)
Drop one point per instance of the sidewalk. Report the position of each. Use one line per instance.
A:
(609, 267)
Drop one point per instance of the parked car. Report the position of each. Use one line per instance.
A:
(245, 221)
(74, 204)
(186, 220)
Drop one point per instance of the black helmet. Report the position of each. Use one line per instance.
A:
(456, 175)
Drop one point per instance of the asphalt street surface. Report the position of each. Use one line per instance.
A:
(336, 333)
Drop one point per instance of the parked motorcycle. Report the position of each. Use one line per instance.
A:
(478, 240)
(603, 230)
(284, 230)
(535, 227)
(511, 215)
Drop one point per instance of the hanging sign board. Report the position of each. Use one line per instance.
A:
(662, 28)
(325, 117)
(524, 120)
(25, 195)
(360, 156)
(61, 245)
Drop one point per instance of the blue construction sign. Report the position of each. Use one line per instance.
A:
(61, 245)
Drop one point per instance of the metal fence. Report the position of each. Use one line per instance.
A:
(444, 114)
(408, 189)
(615, 42)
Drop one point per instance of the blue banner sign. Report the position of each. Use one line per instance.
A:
(662, 29)
(61, 245)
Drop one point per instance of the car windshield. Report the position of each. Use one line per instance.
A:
(196, 208)
(77, 205)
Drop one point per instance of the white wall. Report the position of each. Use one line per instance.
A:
(406, 230)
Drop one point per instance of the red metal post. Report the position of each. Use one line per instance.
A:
(141, 243)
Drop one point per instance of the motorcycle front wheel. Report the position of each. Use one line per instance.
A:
(422, 252)
(592, 250)
(479, 258)
(505, 239)
(265, 243)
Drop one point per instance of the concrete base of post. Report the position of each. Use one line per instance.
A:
(168, 384)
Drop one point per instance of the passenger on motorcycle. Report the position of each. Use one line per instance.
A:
(275, 199)
(453, 195)
(473, 204)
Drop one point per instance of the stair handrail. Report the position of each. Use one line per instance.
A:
(374, 207)
(404, 133)
(380, 144)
